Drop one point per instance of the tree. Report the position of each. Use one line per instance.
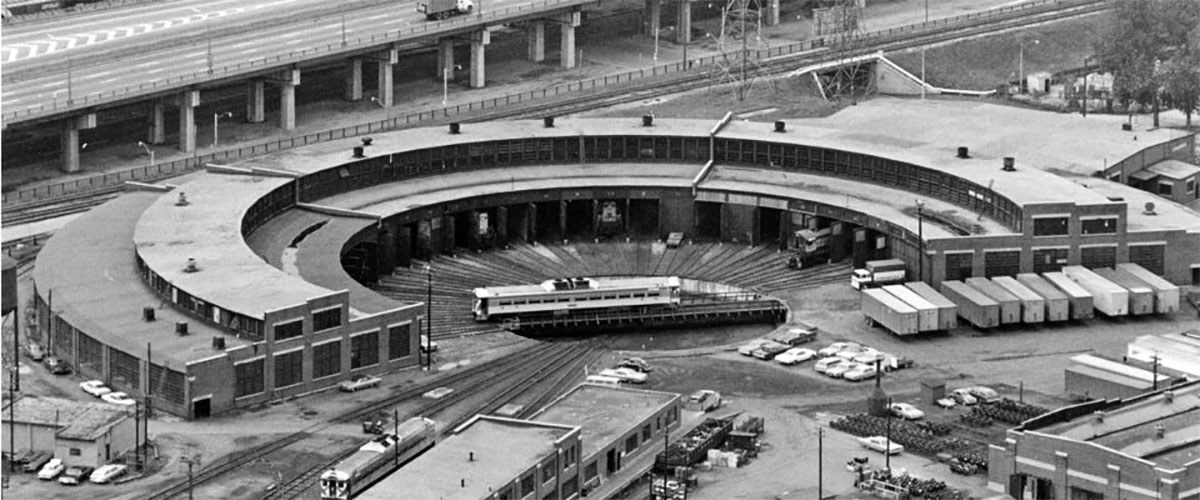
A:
(1150, 46)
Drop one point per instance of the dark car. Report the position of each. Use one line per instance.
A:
(56, 365)
(75, 474)
(638, 364)
(35, 352)
(22, 456)
(37, 460)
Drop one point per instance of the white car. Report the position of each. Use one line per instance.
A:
(748, 348)
(107, 473)
(52, 469)
(869, 357)
(852, 352)
(703, 400)
(962, 397)
(95, 388)
(625, 375)
(825, 364)
(837, 347)
(118, 398)
(983, 394)
(946, 403)
(906, 411)
(881, 444)
(360, 382)
(861, 372)
(839, 370)
(795, 355)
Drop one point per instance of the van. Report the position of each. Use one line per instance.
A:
(825, 364)
(602, 380)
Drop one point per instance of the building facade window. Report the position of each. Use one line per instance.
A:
(327, 359)
(646, 433)
(1102, 225)
(590, 472)
(364, 350)
(1191, 186)
(288, 330)
(1050, 226)
(527, 486)
(631, 443)
(289, 368)
(399, 341)
(548, 471)
(327, 319)
(248, 378)
(1165, 188)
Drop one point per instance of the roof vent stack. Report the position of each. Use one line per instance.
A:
(191, 266)
(1098, 416)
(182, 202)
(647, 120)
(367, 141)
(780, 126)
(548, 121)
(181, 328)
(358, 152)
(1169, 396)
(962, 152)
(1128, 127)
(1160, 431)
(455, 128)
(148, 313)
(1149, 209)
(218, 343)
(1009, 164)
(471, 456)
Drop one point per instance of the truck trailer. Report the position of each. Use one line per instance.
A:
(927, 313)
(1109, 298)
(1058, 308)
(441, 9)
(885, 309)
(1010, 305)
(1082, 304)
(947, 311)
(978, 309)
(1141, 296)
(1033, 306)
(1166, 294)
(878, 273)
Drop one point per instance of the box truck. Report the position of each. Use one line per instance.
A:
(1058, 308)
(1141, 296)
(927, 313)
(878, 273)
(947, 311)
(1166, 294)
(1033, 306)
(442, 9)
(1109, 298)
(1010, 306)
(1082, 304)
(885, 309)
(975, 307)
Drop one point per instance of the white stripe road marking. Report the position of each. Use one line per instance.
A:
(194, 54)
(54, 84)
(379, 16)
(110, 80)
(295, 41)
(143, 65)
(156, 70)
(102, 73)
(248, 51)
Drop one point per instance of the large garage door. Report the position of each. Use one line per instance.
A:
(1097, 257)
(1047, 260)
(959, 265)
(1149, 256)
(1002, 263)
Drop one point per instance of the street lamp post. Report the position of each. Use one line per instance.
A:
(820, 462)
(148, 151)
(190, 461)
(428, 317)
(216, 119)
(1083, 108)
(920, 240)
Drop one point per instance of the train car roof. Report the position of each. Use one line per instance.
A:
(548, 286)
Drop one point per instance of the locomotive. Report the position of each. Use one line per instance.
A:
(376, 459)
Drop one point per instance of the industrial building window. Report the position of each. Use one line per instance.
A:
(631, 443)
(646, 433)
(125, 371)
(959, 266)
(166, 383)
(570, 486)
(1097, 257)
(248, 378)
(75, 452)
(569, 458)
(329, 318)
(291, 329)
(548, 471)
(1164, 188)
(1151, 257)
(1104, 225)
(399, 341)
(506, 493)
(1050, 226)
(1004, 263)
(364, 350)
(590, 472)
(289, 368)
(1191, 185)
(1047, 260)
(527, 485)
(327, 359)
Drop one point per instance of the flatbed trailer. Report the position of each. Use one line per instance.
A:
(1141, 296)
(1082, 303)
(1010, 305)
(1033, 306)
(883, 308)
(927, 313)
(947, 310)
(1166, 294)
(1109, 298)
(1058, 305)
(978, 309)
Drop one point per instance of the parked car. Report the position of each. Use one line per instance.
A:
(861, 372)
(906, 411)
(22, 456)
(852, 352)
(107, 473)
(35, 352)
(360, 382)
(795, 355)
(983, 394)
(881, 444)
(769, 350)
(52, 469)
(118, 398)
(837, 371)
(891, 362)
(638, 364)
(95, 388)
(837, 347)
(869, 357)
(37, 461)
(625, 375)
(963, 397)
(946, 402)
(56, 366)
(749, 347)
(74, 475)
(703, 400)
(825, 364)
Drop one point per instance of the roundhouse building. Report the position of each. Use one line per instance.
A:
(267, 237)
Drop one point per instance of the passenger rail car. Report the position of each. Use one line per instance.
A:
(376, 459)
(566, 296)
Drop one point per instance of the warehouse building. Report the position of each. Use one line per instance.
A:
(90, 434)
(1093, 377)
(1178, 352)
(1145, 447)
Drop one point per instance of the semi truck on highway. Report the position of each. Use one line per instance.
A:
(878, 273)
(441, 9)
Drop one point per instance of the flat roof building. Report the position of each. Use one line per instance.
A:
(91, 434)
(1093, 377)
(1178, 352)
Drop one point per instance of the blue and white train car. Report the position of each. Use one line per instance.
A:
(565, 296)
(376, 459)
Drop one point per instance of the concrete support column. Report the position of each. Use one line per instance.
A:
(479, 41)
(772, 12)
(445, 57)
(256, 101)
(70, 146)
(501, 225)
(536, 33)
(158, 123)
(287, 99)
(386, 253)
(188, 101)
(570, 21)
(387, 62)
(562, 219)
(404, 245)
(1061, 477)
(353, 90)
(653, 16)
(531, 225)
(683, 31)
(1112, 490)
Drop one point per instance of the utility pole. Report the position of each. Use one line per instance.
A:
(820, 463)
(887, 449)
(396, 431)
(428, 317)
(1155, 376)
(920, 240)
(190, 461)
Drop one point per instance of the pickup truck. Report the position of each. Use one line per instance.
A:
(360, 382)
(881, 444)
(703, 400)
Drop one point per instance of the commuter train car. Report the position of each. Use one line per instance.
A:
(565, 296)
(376, 459)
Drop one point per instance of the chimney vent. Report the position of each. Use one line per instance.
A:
(780, 126)
(1169, 396)
(548, 121)
(1009, 164)
(962, 152)
(1128, 127)
(358, 152)
(182, 202)
(455, 128)
(471, 456)
(1149, 209)
(1098, 415)
(181, 328)
(148, 313)
(191, 266)
(647, 120)
(219, 343)
(1160, 431)
(367, 141)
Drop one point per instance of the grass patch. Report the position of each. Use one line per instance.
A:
(789, 98)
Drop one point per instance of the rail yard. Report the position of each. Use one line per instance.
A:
(784, 266)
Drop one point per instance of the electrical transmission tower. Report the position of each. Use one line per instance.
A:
(841, 26)
(741, 40)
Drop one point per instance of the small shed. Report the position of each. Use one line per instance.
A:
(932, 390)
(91, 434)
